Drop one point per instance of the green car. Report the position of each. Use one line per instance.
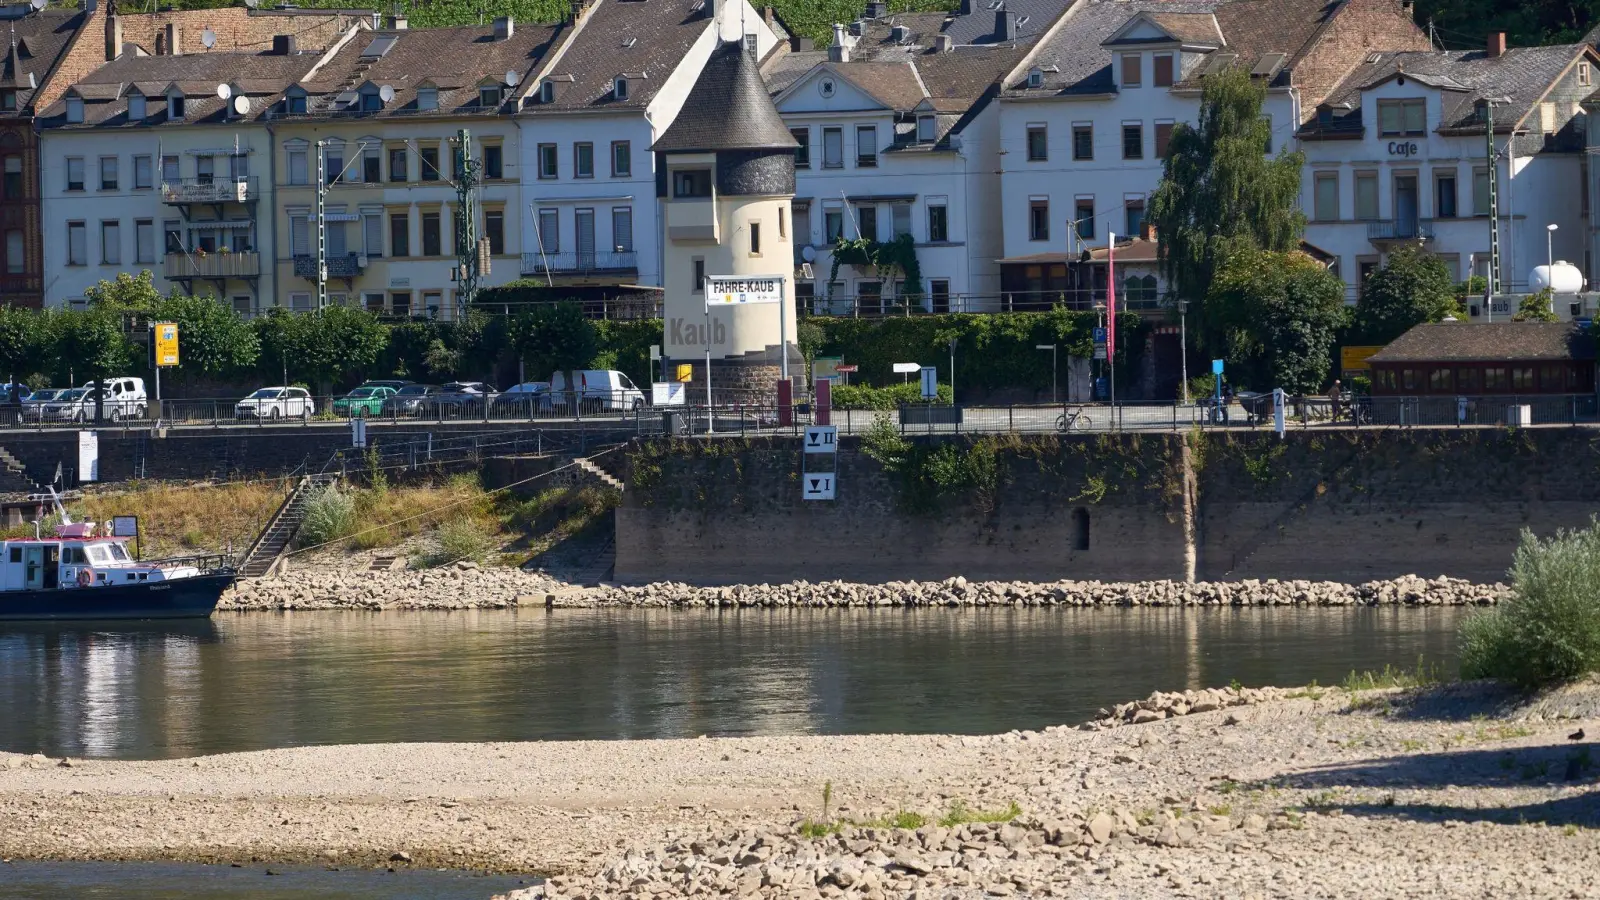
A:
(362, 402)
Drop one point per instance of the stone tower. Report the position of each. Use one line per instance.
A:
(725, 179)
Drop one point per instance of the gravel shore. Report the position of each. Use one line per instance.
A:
(468, 586)
(1460, 791)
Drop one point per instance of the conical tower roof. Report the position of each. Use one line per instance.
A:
(728, 109)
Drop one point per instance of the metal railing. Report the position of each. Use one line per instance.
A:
(347, 266)
(1400, 230)
(866, 306)
(573, 262)
(217, 264)
(216, 189)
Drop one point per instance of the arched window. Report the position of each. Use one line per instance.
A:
(1080, 529)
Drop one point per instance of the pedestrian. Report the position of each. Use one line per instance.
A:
(1227, 400)
(1336, 399)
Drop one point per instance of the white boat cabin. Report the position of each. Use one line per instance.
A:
(75, 558)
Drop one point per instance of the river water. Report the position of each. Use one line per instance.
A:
(261, 680)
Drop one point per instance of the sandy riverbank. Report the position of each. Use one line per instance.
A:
(1461, 792)
(328, 585)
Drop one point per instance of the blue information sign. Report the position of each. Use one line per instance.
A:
(1216, 367)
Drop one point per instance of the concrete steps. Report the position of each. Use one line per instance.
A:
(281, 528)
(593, 468)
(386, 563)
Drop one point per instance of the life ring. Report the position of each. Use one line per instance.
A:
(85, 577)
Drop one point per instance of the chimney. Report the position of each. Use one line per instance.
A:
(89, 6)
(398, 23)
(965, 9)
(1497, 44)
(113, 37)
(877, 9)
(174, 36)
(855, 28)
(504, 28)
(283, 45)
(1005, 25)
(944, 43)
(798, 44)
(837, 51)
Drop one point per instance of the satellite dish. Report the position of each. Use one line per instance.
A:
(808, 253)
(512, 77)
(241, 105)
(253, 4)
(37, 4)
(208, 38)
(386, 93)
(223, 91)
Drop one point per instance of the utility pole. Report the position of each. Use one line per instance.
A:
(322, 229)
(471, 259)
(1494, 204)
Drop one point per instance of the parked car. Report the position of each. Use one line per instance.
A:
(69, 405)
(33, 406)
(277, 403)
(459, 398)
(596, 389)
(407, 401)
(124, 398)
(364, 401)
(395, 383)
(517, 399)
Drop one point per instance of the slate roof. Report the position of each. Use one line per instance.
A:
(1489, 342)
(106, 89)
(1077, 59)
(452, 61)
(894, 84)
(647, 39)
(727, 109)
(34, 44)
(1522, 74)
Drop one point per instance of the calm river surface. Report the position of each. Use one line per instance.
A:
(259, 680)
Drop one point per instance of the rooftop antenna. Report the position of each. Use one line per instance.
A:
(208, 38)
(1433, 36)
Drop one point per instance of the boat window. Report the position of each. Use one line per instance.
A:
(98, 555)
(72, 555)
(119, 553)
(16, 554)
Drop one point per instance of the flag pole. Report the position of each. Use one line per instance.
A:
(1111, 316)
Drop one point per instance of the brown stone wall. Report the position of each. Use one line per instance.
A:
(1360, 28)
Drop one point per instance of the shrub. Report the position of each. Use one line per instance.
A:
(458, 539)
(330, 515)
(1548, 631)
(856, 396)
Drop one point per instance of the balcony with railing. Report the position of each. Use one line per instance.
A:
(1387, 230)
(581, 263)
(210, 190)
(195, 264)
(338, 266)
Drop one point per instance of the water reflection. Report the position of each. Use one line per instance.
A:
(245, 682)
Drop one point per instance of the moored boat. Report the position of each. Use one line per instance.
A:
(87, 573)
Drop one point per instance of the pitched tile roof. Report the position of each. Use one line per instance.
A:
(1076, 60)
(106, 89)
(1489, 342)
(644, 39)
(34, 44)
(894, 84)
(727, 109)
(1521, 74)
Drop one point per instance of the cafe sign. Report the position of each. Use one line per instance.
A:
(1404, 148)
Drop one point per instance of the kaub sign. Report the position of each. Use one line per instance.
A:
(726, 290)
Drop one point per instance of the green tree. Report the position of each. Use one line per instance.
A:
(24, 338)
(1281, 315)
(1536, 308)
(212, 338)
(127, 292)
(554, 338)
(1220, 189)
(320, 348)
(1412, 287)
(90, 345)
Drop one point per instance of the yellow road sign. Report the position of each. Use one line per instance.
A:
(166, 343)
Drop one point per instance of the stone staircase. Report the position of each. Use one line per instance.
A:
(588, 464)
(281, 528)
(14, 475)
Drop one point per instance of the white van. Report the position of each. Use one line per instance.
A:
(596, 389)
(124, 398)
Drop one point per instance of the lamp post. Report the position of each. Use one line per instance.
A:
(1100, 316)
(1550, 262)
(1053, 369)
(1183, 347)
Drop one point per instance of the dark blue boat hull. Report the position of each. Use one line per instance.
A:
(181, 598)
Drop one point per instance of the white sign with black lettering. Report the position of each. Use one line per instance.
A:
(822, 439)
(816, 486)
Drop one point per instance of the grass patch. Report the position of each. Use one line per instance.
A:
(1422, 676)
(1548, 631)
(175, 520)
(961, 814)
(554, 515)
(330, 515)
(457, 540)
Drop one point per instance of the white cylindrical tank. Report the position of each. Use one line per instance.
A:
(1563, 278)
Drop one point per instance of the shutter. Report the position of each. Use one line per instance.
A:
(585, 220)
(300, 234)
(622, 228)
(373, 224)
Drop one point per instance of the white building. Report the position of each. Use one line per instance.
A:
(1084, 129)
(899, 136)
(1398, 155)
(587, 122)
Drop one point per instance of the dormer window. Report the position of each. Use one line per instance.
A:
(175, 106)
(74, 110)
(925, 129)
(8, 100)
(1035, 77)
(489, 96)
(136, 108)
(295, 104)
(370, 101)
(547, 92)
(619, 88)
(427, 98)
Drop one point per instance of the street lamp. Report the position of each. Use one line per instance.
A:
(1053, 369)
(1183, 346)
(1550, 262)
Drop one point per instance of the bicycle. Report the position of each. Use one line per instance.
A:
(1073, 420)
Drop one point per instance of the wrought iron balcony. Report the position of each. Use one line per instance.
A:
(234, 264)
(1400, 230)
(615, 262)
(338, 267)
